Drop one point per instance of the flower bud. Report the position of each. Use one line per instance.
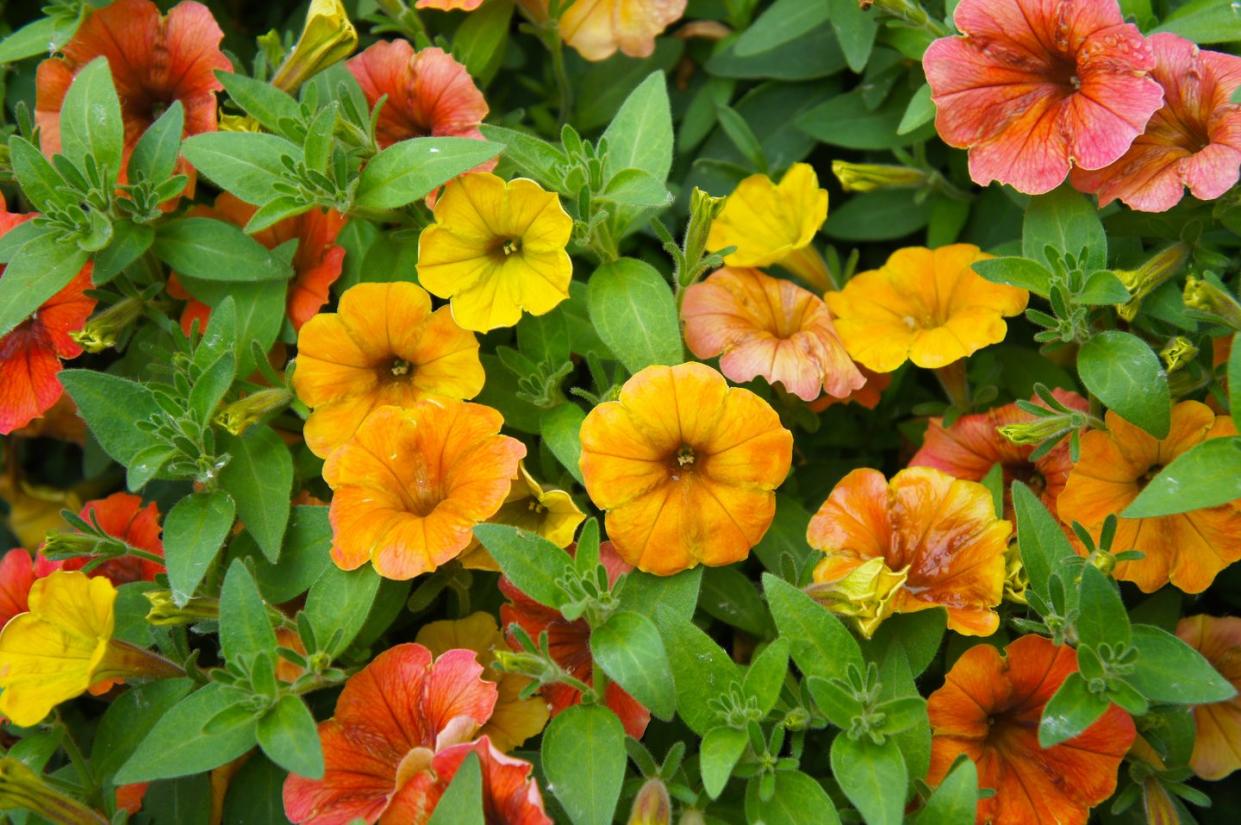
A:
(1016, 580)
(867, 177)
(327, 38)
(23, 789)
(1177, 353)
(1148, 277)
(1205, 297)
(864, 595)
(1038, 430)
(652, 806)
(100, 333)
(165, 611)
(238, 416)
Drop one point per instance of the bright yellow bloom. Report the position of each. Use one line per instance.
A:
(550, 513)
(772, 223)
(496, 249)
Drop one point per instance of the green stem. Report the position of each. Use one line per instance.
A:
(90, 787)
(554, 44)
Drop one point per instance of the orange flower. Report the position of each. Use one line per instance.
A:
(1186, 549)
(597, 28)
(989, 709)
(1219, 723)
(760, 325)
(685, 466)
(18, 572)
(939, 532)
(411, 484)
(122, 516)
(383, 345)
(926, 306)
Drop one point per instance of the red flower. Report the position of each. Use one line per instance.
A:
(1194, 140)
(569, 644)
(17, 574)
(1037, 86)
(122, 516)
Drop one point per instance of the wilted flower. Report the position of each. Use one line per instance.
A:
(866, 594)
(1218, 724)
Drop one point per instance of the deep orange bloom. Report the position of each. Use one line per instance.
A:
(1187, 549)
(122, 516)
(1216, 751)
(1193, 141)
(155, 60)
(766, 326)
(973, 445)
(1033, 87)
(391, 718)
(411, 484)
(383, 345)
(569, 645)
(685, 466)
(989, 709)
(939, 532)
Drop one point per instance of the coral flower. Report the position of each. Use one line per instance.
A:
(496, 249)
(989, 710)
(926, 306)
(597, 28)
(155, 60)
(1193, 141)
(383, 345)
(1037, 86)
(569, 644)
(514, 719)
(550, 513)
(1186, 549)
(391, 718)
(411, 484)
(973, 445)
(765, 326)
(940, 533)
(429, 93)
(772, 223)
(18, 573)
(685, 466)
(449, 5)
(1218, 724)
(122, 516)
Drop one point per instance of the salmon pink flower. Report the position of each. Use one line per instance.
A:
(449, 5)
(1035, 87)
(760, 325)
(597, 28)
(989, 710)
(1193, 141)
(939, 533)
(1218, 724)
(122, 516)
(867, 396)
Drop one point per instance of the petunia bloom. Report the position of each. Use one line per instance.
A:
(597, 28)
(772, 223)
(685, 466)
(989, 710)
(1035, 87)
(940, 533)
(1218, 724)
(760, 325)
(123, 516)
(927, 306)
(569, 644)
(383, 345)
(495, 250)
(1193, 141)
(411, 484)
(550, 513)
(391, 718)
(1186, 549)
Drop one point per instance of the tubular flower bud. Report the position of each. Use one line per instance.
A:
(327, 38)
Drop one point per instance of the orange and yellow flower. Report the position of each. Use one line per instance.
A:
(597, 28)
(937, 534)
(760, 325)
(382, 346)
(1187, 549)
(989, 710)
(685, 466)
(411, 484)
(1218, 724)
(926, 306)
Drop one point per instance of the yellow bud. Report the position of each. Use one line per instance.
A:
(239, 123)
(652, 805)
(1148, 277)
(101, 332)
(1205, 297)
(165, 611)
(1016, 580)
(327, 38)
(1177, 353)
(244, 412)
(867, 177)
(864, 595)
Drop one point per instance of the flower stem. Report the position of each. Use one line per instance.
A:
(956, 384)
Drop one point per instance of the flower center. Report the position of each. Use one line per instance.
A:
(1150, 473)
(400, 368)
(685, 456)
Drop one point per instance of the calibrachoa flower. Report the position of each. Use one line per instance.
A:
(383, 345)
(449, 5)
(772, 223)
(760, 325)
(569, 644)
(868, 395)
(939, 534)
(411, 484)
(1034, 87)
(1193, 141)
(391, 718)
(597, 28)
(122, 516)
(18, 572)
(550, 513)
(685, 466)
(989, 710)
(496, 249)
(1218, 724)
(927, 306)
(1186, 549)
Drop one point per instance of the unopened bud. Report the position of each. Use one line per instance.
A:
(1177, 353)
(1016, 580)
(1148, 277)
(327, 38)
(1205, 297)
(1038, 430)
(100, 333)
(864, 595)
(652, 805)
(244, 412)
(164, 610)
(867, 177)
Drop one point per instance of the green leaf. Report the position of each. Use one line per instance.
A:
(462, 802)
(185, 801)
(1068, 222)
(783, 21)
(288, 735)
(1102, 287)
(260, 312)
(44, 37)
(1206, 475)
(245, 628)
(304, 557)
(411, 169)
(730, 596)
(338, 604)
(532, 156)
(796, 799)
(848, 122)
(193, 533)
(1040, 540)
(872, 776)
(584, 760)
(918, 635)
(129, 718)
(1204, 22)
(955, 800)
(112, 406)
(178, 744)
(784, 544)
(217, 251)
(531, 562)
(90, 119)
(821, 645)
(42, 267)
(766, 675)
(479, 42)
(1071, 710)
(634, 312)
(559, 428)
(247, 164)
(878, 216)
(1021, 272)
(39, 180)
(640, 135)
(718, 755)
(645, 593)
(1234, 385)
(260, 478)
(1171, 672)
(919, 112)
(855, 29)
(1125, 374)
(701, 669)
(262, 101)
(629, 649)
(155, 155)
(129, 242)
(256, 793)
(1102, 618)
(637, 189)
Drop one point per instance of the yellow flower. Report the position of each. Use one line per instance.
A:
(327, 38)
(772, 223)
(64, 647)
(550, 513)
(34, 510)
(515, 719)
(496, 249)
